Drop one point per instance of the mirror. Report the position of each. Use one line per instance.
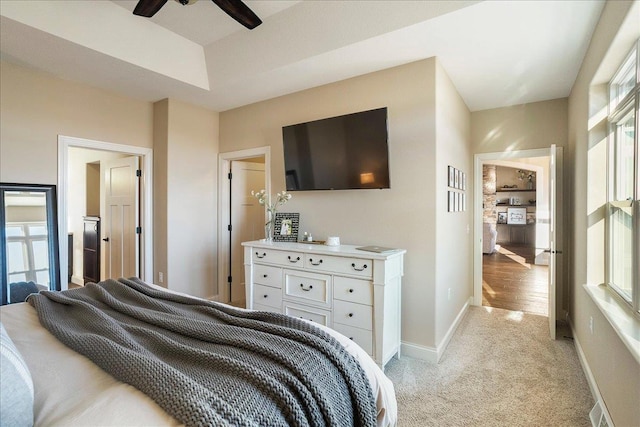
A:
(29, 260)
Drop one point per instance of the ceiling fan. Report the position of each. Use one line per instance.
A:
(234, 8)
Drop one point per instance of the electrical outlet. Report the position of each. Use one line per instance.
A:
(161, 277)
(449, 294)
(591, 324)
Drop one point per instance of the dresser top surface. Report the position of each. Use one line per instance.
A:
(340, 250)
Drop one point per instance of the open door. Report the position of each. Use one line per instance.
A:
(121, 219)
(555, 233)
(247, 220)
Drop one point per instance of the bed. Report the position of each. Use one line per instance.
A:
(70, 389)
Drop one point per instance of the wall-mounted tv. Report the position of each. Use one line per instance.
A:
(338, 153)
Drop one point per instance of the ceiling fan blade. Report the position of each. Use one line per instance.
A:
(148, 8)
(240, 12)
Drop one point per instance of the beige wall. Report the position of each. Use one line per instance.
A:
(453, 245)
(615, 371)
(160, 190)
(36, 108)
(520, 127)
(186, 147)
(403, 216)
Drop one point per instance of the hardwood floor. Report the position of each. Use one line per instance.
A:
(511, 281)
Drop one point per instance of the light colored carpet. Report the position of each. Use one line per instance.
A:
(500, 369)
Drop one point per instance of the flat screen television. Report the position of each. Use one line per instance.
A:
(338, 153)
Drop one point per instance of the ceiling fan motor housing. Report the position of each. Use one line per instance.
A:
(234, 8)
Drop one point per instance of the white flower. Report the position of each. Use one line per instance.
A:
(279, 199)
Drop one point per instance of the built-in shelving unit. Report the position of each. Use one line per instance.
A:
(509, 195)
(514, 190)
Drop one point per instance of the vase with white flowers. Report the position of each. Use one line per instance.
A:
(272, 204)
(525, 175)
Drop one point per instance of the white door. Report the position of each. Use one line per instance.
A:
(120, 239)
(247, 219)
(555, 232)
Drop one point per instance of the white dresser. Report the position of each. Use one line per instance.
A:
(354, 292)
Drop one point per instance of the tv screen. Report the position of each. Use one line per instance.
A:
(338, 153)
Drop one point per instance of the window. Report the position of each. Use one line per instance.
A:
(623, 204)
(27, 252)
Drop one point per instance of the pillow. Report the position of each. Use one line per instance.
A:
(16, 387)
(19, 291)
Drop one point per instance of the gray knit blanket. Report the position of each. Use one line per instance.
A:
(208, 364)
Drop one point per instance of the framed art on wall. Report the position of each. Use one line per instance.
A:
(516, 216)
(286, 227)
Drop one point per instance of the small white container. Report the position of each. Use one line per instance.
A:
(333, 241)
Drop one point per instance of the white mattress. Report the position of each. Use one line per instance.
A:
(71, 391)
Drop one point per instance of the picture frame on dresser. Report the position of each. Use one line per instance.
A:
(286, 227)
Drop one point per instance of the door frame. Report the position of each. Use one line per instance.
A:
(479, 160)
(224, 166)
(146, 196)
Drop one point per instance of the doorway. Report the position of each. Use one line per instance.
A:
(241, 218)
(115, 219)
(515, 234)
(516, 261)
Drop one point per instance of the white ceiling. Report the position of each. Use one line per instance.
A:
(497, 53)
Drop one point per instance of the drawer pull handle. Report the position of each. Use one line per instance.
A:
(359, 269)
(315, 263)
(265, 295)
(293, 260)
(261, 256)
(350, 291)
(350, 314)
(306, 289)
(351, 338)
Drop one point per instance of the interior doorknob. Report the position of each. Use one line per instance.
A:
(106, 239)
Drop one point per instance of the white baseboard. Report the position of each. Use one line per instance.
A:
(452, 329)
(417, 351)
(593, 386)
(78, 280)
(433, 354)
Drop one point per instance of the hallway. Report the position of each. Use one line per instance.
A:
(511, 281)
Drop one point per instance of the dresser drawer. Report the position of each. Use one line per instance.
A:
(352, 266)
(278, 257)
(266, 295)
(317, 315)
(356, 315)
(353, 290)
(362, 337)
(307, 287)
(260, 307)
(267, 275)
